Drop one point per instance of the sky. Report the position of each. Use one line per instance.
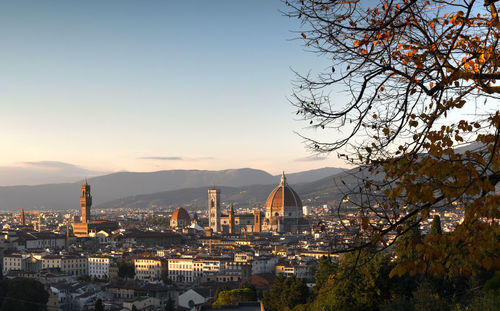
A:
(106, 86)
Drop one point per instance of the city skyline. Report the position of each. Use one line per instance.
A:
(133, 86)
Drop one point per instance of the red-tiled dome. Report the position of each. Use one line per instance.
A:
(180, 214)
(283, 196)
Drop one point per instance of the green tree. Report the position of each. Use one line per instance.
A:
(286, 293)
(22, 294)
(126, 270)
(436, 225)
(231, 297)
(426, 299)
(98, 305)
(170, 305)
(361, 283)
(326, 270)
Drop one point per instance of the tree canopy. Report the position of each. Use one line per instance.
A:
(22, 294)
(285, 294)
(420, 118)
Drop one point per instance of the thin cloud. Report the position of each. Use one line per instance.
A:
(310, 159)
(162, 158)
(176, 158)
(48, 164)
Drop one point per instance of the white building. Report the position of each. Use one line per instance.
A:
(192, 298)
(13, 262)
(190, 270)
(98, 266)
(149, 269)
(73, 265)
(183, 270)
(264, 264)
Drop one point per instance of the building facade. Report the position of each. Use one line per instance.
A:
(98, 266)
(149, 269)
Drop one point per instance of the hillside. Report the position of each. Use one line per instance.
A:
(115, 186)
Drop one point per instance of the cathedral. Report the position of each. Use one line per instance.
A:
(283, 213)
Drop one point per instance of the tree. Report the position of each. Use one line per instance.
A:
(325, 271)
(126, 270)
(420, 78)
(231, 297)
(363, 288)
(285, 294)
(170, 305)
(98, 305)
(22, 294)
(436, 225)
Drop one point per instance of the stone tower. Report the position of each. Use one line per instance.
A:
(214, 209)
(86, 202)
(256, 221)
(231, 219)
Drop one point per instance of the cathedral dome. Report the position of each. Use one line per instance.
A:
(180, 214)
(180, 218)
(283, 196)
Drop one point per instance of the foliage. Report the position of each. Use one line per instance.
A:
(326, 269)
(170, 305)
(486, 302)
(126, 270)
(22, 294)
(426, 299)
(285, 294)
(98, 305)
(231, 297)
(436, 225)
(493, 284)
(363, 288)
(414, 73)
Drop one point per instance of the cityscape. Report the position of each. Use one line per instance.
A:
(152, 257)
(264, 155)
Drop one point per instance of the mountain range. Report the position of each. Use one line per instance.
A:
(163, 187)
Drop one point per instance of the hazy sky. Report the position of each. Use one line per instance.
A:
(150, 85)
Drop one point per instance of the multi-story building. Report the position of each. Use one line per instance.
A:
(183, 270)
(264, 264)
(149, 269)
(191, 270)
(300, 270)
(12, 262)
(70, 264)
(98, 266)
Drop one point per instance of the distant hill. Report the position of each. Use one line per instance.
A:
(325, 189)
(126, 184)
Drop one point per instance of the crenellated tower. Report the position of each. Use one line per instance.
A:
(85, 202)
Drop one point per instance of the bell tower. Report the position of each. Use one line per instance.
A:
(214, 209)
(231, 219)
(86, 202)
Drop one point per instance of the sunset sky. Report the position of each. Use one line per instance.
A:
(151, 85)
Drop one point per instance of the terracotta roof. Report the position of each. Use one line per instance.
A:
(181, 213)
(283, 195)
